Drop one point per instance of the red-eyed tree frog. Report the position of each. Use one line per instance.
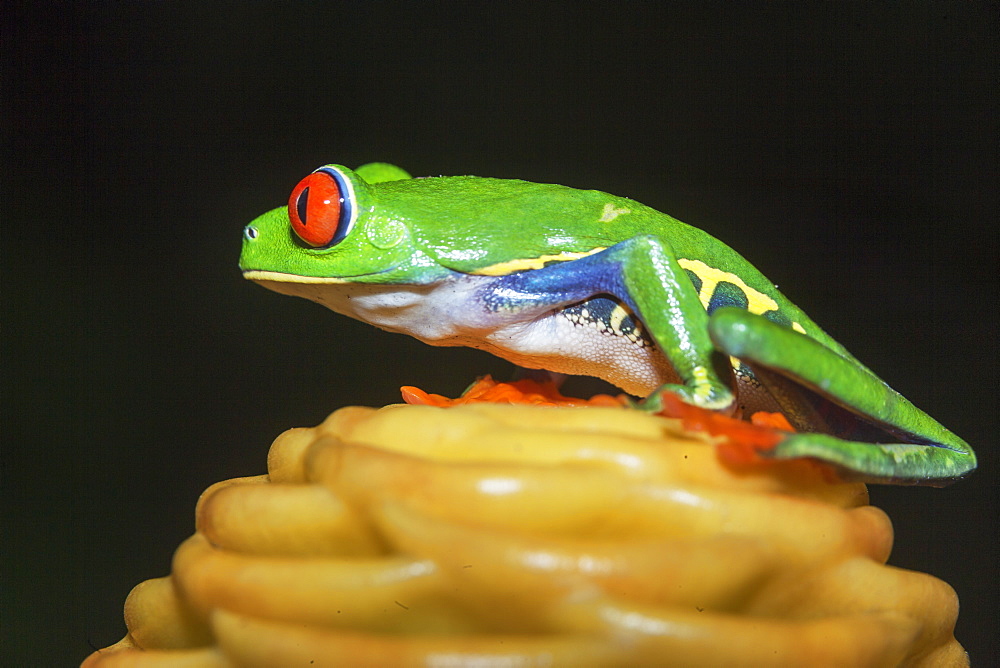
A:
(583, 282)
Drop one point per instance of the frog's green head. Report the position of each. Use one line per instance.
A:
(332, 231)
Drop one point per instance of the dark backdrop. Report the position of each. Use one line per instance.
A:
(849, 151)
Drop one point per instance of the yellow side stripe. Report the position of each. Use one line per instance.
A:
(524, 264)
(758, 302)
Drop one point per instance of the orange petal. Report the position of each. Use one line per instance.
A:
(526, 391)
(745, 442)
(773, 420)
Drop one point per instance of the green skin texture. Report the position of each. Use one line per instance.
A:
(404, 235)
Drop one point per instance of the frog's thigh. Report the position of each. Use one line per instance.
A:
(754, 338)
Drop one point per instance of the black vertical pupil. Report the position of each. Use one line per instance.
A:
(301, 205)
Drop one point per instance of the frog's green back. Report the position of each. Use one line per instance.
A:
(534, 231)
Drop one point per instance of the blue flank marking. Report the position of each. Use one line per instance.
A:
(557, 285)
(727, 294)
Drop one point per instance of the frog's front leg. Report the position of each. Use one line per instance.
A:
(643, 274)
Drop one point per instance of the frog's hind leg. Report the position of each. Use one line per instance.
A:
(928, 453)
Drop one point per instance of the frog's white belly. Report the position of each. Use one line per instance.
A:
(599, 342)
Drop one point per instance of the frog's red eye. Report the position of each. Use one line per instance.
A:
(320, 209)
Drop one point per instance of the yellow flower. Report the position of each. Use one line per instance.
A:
(500, 535)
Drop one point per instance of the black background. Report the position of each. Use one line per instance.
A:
(849, 151)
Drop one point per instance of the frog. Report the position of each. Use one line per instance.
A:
(570, 281)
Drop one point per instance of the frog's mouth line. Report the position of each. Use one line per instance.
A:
(278, 277)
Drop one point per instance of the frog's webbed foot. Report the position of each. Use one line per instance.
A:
(892, 463)
(709, 395)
